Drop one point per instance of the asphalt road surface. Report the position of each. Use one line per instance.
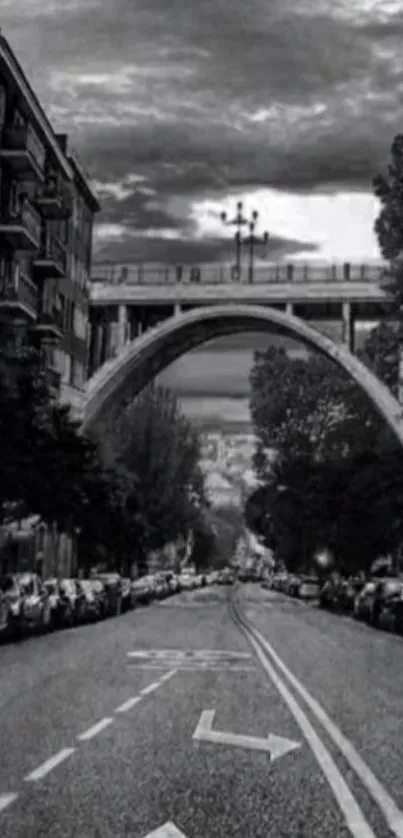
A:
(217, 714)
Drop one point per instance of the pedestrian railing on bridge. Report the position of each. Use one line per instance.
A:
(224, 274)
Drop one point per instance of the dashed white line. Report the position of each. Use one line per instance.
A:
(168, 675)
(49, 765)
(6, 799)
(95, 729)
(127, 705)
(150, 688)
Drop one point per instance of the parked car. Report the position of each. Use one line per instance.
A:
(72, 603)
(363, 601)
(94, 599)
(226, 577)
(142, 589)
(329, 594)
(112, 583)
(52, 588)
(11, 606)
(348, 590)
(391, 611)
(128, 598)
(35, 613)
(186, 581)
(384, 590)
(293, 585)
(309, 587)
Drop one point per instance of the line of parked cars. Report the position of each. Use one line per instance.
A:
(377, 601)
(301, 587)
(29, 604)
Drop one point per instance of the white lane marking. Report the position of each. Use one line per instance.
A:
(127, 705)
(188, 654)
(92, 731)
(6, 799)
(49, 765)
(391, 812)
(354, 816)
(168, 830)
(276, 746)
(168, 675)
(193, 667)
(150, 688)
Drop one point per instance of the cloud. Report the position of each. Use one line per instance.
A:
(206, 100)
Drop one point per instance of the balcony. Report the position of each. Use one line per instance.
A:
(55, 200)
(49, 323)
(23, 153)
(50, 263)
(18, 295)
(21, 229)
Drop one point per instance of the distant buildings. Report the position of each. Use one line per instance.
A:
(227, 464)
(46, 215)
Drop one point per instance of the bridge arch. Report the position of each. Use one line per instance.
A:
(145, 357)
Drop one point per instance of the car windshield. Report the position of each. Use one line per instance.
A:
(51, 586)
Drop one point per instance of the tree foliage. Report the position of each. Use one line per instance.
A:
(156, 451)
(336, 482)
(389, 224)
(48, 467)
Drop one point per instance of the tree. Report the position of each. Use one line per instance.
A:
(389, 230)
(48, 467)
(156, 451)
(336, 482)
(298, 406)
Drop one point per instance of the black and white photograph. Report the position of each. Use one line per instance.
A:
(201, 419)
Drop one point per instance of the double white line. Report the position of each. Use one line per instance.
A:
(355, 819)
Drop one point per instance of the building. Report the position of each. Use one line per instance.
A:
(74, 290)
(220, 491)
(46, 213)
(29, 545)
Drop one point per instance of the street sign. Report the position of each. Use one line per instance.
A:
(276, 746)
(167, 830)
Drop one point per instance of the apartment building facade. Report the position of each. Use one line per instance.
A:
(46, 216)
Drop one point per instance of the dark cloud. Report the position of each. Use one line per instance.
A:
(187, 252)
(207, 99)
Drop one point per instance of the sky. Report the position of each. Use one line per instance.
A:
(180, 109)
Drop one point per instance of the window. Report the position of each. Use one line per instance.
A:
(80, 324)
(78, 374)
(66, 376)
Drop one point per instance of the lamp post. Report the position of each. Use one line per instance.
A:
(253, 240)
(239, 221)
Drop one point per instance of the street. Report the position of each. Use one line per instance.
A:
(224, 712)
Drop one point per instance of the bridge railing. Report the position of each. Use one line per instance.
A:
(223, 274)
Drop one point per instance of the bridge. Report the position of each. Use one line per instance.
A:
(139, 327)
(127, 300)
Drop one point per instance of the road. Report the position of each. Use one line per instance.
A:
(98, 724)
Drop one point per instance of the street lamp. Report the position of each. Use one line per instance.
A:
(239, 221)
(253, 240)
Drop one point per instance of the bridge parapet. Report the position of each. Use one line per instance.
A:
(225, 274)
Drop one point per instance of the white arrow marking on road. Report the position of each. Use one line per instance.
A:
(168, 830)
(276, 746)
